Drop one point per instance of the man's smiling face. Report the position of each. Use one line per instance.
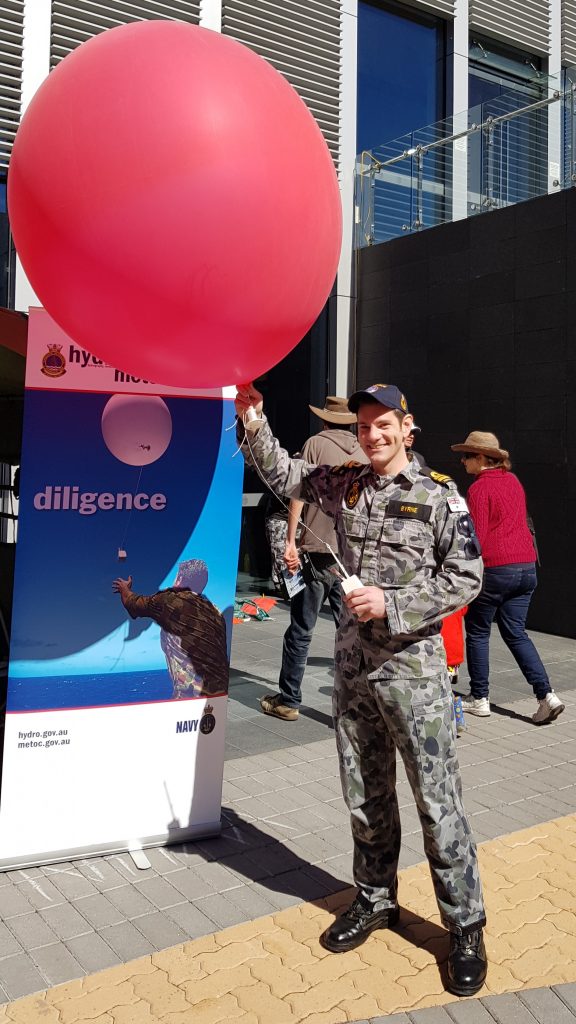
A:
(382, 434)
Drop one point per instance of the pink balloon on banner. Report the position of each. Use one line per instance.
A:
(175, 205)
(137, 429)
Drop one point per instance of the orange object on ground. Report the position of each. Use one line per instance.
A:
(253, 608)
(452, 633)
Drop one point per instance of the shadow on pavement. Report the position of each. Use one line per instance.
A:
(246, 689)
(265, 859)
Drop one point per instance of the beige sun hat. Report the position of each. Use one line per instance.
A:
(335, 411)
(481, 442)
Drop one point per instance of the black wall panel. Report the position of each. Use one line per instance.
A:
(476, 322)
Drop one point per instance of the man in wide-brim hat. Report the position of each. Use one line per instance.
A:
(332, 446)
(335, 412)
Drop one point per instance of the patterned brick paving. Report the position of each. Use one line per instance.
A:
(273, 971)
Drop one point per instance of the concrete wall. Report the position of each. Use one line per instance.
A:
(476, 322)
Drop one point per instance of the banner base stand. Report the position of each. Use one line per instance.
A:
(124, 846)
(138, 856)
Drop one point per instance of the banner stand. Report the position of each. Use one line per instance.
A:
(116, 706)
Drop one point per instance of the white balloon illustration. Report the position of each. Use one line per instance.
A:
(137, 429)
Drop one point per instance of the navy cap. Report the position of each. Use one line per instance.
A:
(387, 394)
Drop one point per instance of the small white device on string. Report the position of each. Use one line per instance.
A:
(350, 583)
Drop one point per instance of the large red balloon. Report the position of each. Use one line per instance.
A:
(174, 205)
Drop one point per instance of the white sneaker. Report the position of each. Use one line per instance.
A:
(477, 706)
(548, 709)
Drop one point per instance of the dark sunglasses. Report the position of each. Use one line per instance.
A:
(468, 455)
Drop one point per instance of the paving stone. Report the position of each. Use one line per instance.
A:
(100, 872)
(246, 867)
(249, 902)
(395, 1018)
(13, 902)
(163, 860)
(216, 877)
(221, 911)
(65, 920)
(69, 881)
(21, 875)
(160, 931)
(303, 885)
(277, 898)
(188, 884)
(57, 963)
(431, 1015)
(130, 901)
(31, 930)
(190, 918)
(469, 1011)
(160, 892)
(508, 1009)
(98, 911)
(546, 1006)
(567, 994)
(126, 868)
(41, 892)
(19, 976)
(311, 848)
(92, 952)
(126, 941)
(9, 945)
(189, 855)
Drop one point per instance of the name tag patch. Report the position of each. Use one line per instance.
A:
(457, 504)
(409, 510)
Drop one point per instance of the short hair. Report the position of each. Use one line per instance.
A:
(496, 463)
(192, 574)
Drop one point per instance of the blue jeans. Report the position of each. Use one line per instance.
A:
(505, 597)
(304, 610)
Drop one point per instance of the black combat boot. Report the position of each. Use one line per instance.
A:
(354, 926)
(467, 964)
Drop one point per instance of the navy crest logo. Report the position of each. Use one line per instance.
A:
(53, 362)
(353, 495)
(207, 722)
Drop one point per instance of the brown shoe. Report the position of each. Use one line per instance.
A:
(274, 706)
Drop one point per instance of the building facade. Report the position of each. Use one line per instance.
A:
(370, 71)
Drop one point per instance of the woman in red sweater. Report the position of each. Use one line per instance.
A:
(498, 507)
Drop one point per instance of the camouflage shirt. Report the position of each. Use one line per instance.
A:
(193, 639)
(410, 534)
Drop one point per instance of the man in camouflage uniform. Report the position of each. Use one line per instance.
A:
(193, 633)
(405, 533)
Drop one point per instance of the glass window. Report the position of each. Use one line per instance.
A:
(401, 73)
(7, 253)
(508, 161)
(494, 70)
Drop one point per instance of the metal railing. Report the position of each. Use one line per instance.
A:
(507, 150)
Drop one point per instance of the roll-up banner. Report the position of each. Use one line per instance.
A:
(116, 706)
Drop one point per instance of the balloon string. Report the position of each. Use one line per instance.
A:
(299, 521)
(130, 512)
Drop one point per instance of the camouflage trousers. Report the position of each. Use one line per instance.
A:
(373, 719)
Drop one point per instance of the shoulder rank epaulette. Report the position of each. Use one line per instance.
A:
(440, 478)
(345, 466)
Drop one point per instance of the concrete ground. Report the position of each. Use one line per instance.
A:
(226, 928)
